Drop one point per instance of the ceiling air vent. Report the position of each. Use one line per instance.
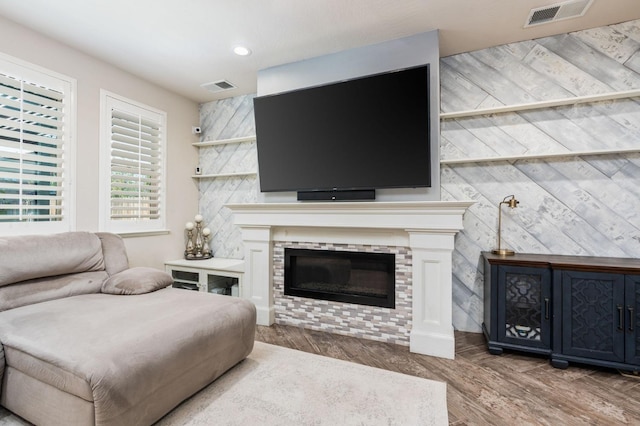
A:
(558, 12)
(218, 86)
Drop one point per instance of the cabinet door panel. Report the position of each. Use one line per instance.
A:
(524, 306)
(593, 306)
(632, 319)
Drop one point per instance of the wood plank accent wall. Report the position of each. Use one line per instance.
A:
(226, 119)
(575, 205)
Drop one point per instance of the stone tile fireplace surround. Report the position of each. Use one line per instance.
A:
(369, 322)
(423, 230)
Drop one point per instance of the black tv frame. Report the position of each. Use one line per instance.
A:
(356, 192)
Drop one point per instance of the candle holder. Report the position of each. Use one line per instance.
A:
(197, 246)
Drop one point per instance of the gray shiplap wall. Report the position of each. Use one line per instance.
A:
(226, 119)
(570, 205)
(583, 205)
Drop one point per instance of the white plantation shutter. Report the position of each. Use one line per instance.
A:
(135, 160)
(34, 150)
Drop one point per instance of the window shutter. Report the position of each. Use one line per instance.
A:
(135, 167)
(132, 187)
(32, 149)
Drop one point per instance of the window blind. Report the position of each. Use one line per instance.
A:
(32, 148)
(136, 166)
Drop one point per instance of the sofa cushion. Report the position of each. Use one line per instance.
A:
(114, 252)
(138, 280)
(49, 373)
(36, 256)
(49, 288)
(138, 356)
(45, 404)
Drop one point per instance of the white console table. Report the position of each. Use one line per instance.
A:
(215, 275)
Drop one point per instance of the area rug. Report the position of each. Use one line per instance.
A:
(280, 386)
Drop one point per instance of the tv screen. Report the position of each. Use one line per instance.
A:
(364, 133)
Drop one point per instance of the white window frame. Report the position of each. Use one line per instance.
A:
(35, 74)
(108, 102)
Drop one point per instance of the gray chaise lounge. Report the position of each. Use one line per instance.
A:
(87, 340)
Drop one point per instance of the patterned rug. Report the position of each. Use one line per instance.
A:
(280, 386)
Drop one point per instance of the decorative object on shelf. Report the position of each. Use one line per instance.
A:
(189, 251)
(206, 250)
(511, 201)
(197, 247)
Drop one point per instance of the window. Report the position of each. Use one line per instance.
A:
(36, 126)
(133, 167)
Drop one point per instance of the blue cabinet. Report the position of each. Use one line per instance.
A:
(521, 318)
(632, 321)
(589, 327)
(571, 308)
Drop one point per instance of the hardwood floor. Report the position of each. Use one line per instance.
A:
(484, 389)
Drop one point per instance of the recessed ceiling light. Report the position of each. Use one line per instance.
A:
(241, 51)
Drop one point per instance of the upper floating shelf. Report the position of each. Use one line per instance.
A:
(542, 104)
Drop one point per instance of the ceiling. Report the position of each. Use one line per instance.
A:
(182, 44)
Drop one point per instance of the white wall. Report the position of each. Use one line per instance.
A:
(92, 75)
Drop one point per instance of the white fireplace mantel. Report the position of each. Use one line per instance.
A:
(428, 228)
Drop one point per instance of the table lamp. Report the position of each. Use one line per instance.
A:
(511, 201)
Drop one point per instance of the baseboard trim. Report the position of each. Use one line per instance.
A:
(265, 316)
(433, 344)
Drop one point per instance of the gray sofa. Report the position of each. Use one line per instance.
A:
(87, 340)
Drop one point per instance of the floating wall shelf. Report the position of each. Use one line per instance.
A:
(225, 141)
(542, 104)
(541, 156)
(222, 175)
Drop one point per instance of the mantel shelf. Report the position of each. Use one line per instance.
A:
(222, 175)
(541, 104)
(225, 141)
(542, 156)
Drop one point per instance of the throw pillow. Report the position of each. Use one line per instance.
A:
(138, 280)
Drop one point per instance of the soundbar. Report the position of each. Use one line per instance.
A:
(338, 195)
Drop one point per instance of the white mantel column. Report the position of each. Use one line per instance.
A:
(257, 283)
(431, 330)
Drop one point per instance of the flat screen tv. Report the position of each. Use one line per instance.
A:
(360, 134)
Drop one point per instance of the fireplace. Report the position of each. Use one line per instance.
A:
(342, 276)
(423, 231)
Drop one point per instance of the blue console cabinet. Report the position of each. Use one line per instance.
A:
(571, 308)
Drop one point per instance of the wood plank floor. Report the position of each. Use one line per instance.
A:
(484, 389)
